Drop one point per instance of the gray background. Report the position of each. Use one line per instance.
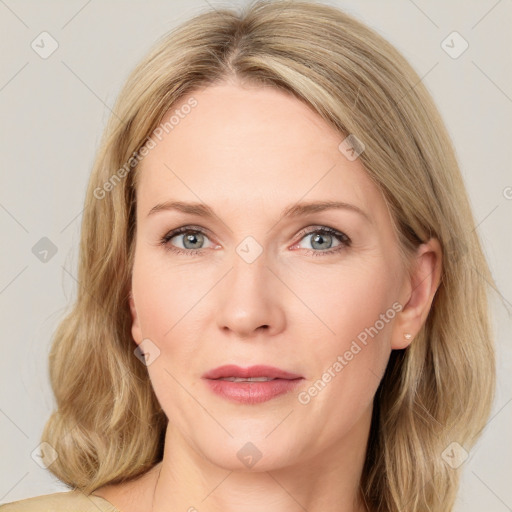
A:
(53, 112)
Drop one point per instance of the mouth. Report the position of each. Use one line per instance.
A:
(251, 373)
(252, 385)
(249, 379)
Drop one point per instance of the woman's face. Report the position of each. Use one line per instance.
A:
(262, 288)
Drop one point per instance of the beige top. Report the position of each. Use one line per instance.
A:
(68, 501)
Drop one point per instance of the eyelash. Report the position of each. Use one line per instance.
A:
(341, 237)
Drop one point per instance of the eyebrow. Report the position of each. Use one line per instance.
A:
(292, 211)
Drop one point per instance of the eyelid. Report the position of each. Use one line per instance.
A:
(320, 228)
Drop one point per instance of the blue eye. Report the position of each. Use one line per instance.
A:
(192, 236)
(319, 237)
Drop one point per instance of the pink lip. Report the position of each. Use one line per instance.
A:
(251, 392)
(232, 370)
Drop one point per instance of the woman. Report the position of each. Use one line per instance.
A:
(219, 356)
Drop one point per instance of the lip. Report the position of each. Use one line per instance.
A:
(232, 370)
(251, 392)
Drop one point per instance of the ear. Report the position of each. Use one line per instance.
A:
(136, 330)
(418, 293)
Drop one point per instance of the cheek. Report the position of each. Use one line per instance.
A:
(167, 302)
(349, 358)
(168, 296)
(348, 301)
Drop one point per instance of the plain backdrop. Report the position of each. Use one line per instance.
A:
(54, 109)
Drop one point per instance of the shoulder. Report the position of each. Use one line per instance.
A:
(69, 501)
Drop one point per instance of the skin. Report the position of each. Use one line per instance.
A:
(249, 152)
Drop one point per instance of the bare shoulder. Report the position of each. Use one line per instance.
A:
(68, 501)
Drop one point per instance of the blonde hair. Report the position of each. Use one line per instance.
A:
(109, 427)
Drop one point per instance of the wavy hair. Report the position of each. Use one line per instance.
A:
(108, 426)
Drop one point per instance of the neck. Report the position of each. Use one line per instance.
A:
(327, 482)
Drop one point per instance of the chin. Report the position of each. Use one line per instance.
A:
(251, 453)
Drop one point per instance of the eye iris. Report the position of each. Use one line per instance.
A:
(193, 238)
(320, 236)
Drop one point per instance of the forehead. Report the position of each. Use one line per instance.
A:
(253, 147)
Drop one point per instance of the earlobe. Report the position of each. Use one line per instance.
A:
(403, 342)
(136, 331)
(421, 288)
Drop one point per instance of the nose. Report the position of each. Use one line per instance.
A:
(251, 300)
